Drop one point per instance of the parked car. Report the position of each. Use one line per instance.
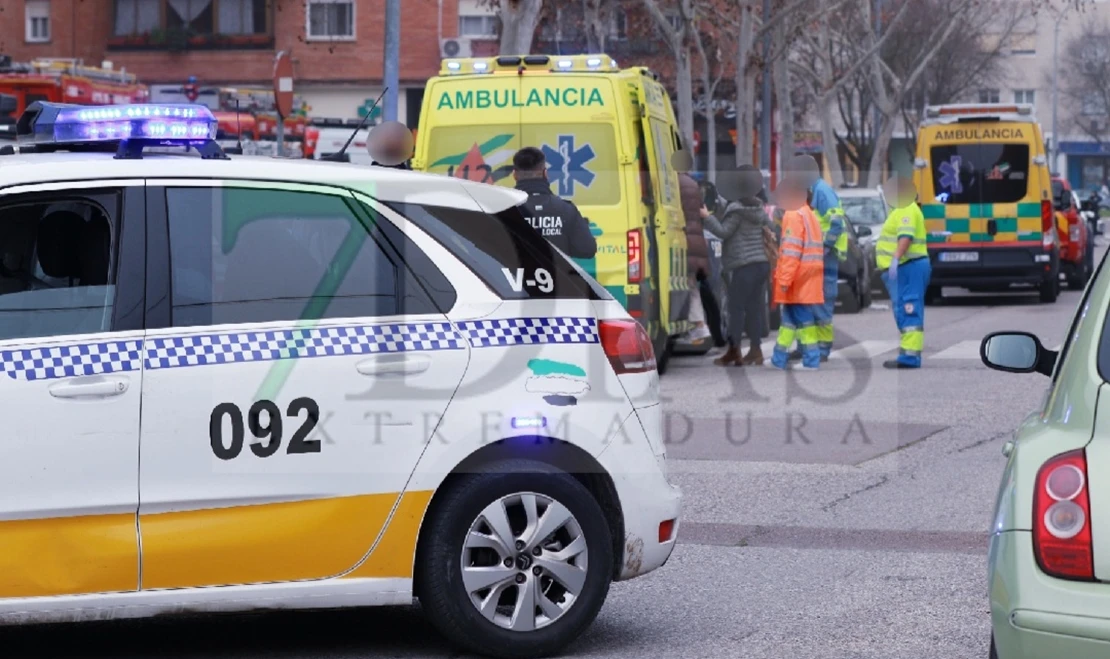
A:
(866, 207)
(853, 286)
(1077, 254)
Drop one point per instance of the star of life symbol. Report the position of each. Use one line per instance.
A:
(950, 175)
(566, 165)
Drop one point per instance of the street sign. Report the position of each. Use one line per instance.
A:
(366, 105)
(283, 84)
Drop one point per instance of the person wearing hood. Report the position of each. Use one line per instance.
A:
(744, 228)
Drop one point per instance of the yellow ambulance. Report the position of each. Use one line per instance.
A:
(608, 135)
(984, 186)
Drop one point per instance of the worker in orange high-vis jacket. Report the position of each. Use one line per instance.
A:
(798, 277)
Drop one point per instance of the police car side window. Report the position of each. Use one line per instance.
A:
(56, 259)
(503, 249)
(246, 255)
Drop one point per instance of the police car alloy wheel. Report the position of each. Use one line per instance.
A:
(517, 560)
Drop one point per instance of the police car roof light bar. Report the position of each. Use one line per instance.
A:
(49, 126)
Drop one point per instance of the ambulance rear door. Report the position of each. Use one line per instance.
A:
(573, 118)
(667, 227)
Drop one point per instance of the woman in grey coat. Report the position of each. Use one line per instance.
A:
(745, 265)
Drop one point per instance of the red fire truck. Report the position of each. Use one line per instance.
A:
(67, 81)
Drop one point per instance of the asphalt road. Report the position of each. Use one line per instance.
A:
(841, 513)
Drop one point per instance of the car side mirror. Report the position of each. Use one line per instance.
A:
(863, 231)
(1016, 352)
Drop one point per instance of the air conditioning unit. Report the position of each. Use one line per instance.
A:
(454, 48)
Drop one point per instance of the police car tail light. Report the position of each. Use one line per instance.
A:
(628, 346)
(635, 257)
(1061, 518)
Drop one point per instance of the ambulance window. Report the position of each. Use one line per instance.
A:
(503, 249)
(241, 255)
(980, 173)
(56, 277)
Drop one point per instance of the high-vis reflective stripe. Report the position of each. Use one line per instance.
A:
(842, 239)
(905, 222)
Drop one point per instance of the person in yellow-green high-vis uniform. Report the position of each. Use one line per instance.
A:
(902, 251)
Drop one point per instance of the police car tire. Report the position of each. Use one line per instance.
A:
(443, 597)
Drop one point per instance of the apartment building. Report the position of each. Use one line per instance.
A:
(337, 46)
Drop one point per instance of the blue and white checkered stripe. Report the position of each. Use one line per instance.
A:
(69, 361)
(230, 348)
(202, 350)
(526, 331)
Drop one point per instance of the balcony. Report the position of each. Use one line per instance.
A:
(185, 40)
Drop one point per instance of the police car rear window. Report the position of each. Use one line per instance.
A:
(505, 251)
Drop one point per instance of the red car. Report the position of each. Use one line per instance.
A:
(1076, 246)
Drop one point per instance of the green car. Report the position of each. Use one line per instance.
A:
(1049, 557)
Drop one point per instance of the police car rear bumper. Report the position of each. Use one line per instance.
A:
(994, 266)
(650, 504)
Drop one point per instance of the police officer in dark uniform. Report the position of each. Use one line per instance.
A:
(555, 218)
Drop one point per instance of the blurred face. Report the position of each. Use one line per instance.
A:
(900, 191)
(390, 143)
(790, 197)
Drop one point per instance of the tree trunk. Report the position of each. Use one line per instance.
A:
(745, 89)
(825, 105)
(781, 75)
(596, 13)
(684, 84)
(518, 25)
(880, 155)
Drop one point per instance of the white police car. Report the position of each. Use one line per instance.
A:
(242, 383)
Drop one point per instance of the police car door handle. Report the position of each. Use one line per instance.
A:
(394, 365)
(99, 388)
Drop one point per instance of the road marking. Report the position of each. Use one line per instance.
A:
(962, 350)
(864, 350)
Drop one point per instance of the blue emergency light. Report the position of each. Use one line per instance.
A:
(132, 127)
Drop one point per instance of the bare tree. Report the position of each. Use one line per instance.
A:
(676, 27)
(890, 85)
(518, 25)
(707, 38)
(972, 59)
(825, 68)
(1084, 81)
(598, 19)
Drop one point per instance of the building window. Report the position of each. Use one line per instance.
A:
(241, 16)
(478, 26)
(195, 17)
(1025, 96)
(38, 21)
(1094, 105)
(618, 27)
(989, 96)
(1023, 44)
(332, 20)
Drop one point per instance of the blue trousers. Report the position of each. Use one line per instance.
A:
(825, 312)
(907, 300)
(799, 323)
